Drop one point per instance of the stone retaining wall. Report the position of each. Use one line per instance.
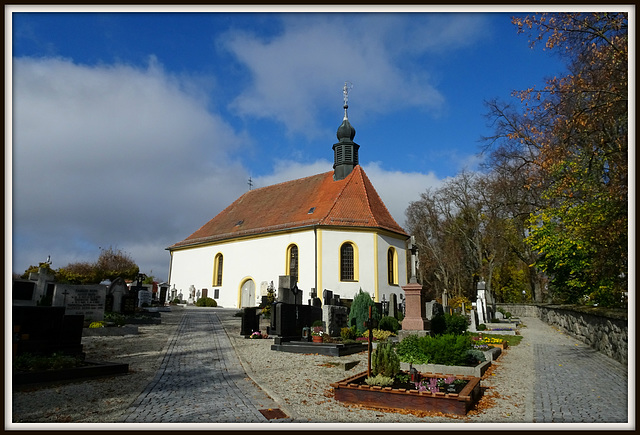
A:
(605, 330)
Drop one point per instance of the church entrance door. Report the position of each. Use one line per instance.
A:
(248, 294)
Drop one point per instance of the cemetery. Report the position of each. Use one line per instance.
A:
(49, 320)
(321, 327)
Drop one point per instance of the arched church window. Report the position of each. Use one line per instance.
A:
(292, 260)
(392, 267)
(347, 263)
(217, 270)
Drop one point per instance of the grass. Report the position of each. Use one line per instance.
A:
(512, 340)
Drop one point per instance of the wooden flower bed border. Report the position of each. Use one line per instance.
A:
(354, 390)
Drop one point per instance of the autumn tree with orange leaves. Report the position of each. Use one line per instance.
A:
(570, 141)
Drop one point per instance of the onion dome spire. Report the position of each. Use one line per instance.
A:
(345, 151)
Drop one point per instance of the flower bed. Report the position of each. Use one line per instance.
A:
(477, 370)
(427, 396)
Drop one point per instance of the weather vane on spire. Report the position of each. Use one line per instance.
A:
(345, 92)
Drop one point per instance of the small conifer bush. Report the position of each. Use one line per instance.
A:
(384, 360)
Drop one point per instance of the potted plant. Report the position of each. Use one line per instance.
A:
(317, 331)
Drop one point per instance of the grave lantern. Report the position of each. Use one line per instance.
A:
(415, 376)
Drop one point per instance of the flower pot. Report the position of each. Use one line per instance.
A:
(317, 338)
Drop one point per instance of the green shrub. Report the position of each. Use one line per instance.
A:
(349, 333)
(117, 318)
(385, 361)
(388, 323)
(447, 349)
(449, 324)
(409, 350)
(206, 302)
(507, 315)
(475, 356)
(378, 334)
(359, 312)
(317, 323)
(482, 327)
(379, 380)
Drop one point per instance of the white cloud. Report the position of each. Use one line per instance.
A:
(397, 189)
(113, 155)
(292, 71)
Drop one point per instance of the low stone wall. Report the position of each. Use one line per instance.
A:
(605, 330)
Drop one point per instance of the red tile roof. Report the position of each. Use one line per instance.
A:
(351, 202)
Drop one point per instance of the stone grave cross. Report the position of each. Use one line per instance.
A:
(369, 325)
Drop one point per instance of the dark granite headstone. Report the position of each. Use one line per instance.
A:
(327, 297)
(128, 304)
(287, 320)
(23, 290)
(45, 330)
(250, 321)
(108, 303)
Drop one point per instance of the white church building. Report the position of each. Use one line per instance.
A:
(332, 231)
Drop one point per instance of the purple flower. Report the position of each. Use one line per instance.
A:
(433, 385)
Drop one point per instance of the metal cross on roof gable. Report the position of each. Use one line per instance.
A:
(345, 93)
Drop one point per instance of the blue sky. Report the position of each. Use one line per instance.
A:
(132, 130)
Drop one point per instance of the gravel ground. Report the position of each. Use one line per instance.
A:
(98, 400)
(300, 384)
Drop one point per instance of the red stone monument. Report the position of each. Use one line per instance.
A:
(415, 299)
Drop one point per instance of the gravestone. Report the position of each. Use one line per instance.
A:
(316, 302)
(288, 291)
(108, 303)
(287, 320)
(117, 289)
(393, 305)
(174, 293)
(445, 301)
(433, 309)
(164, 287)
(473, 326)
(481, 303)
(336, 318)
(45, 330)
(128, 304)
(415, 298)
(44, 280)
(327, 297)
(24, 292)
(144, 298)
(250, 321)
(81, 300)
(192, 294)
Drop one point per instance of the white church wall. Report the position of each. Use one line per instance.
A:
(259, 259)
(364, 242)
(384, 288)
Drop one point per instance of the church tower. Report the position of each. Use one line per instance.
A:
(345, 152)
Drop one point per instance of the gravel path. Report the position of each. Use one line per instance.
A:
(299, 384)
